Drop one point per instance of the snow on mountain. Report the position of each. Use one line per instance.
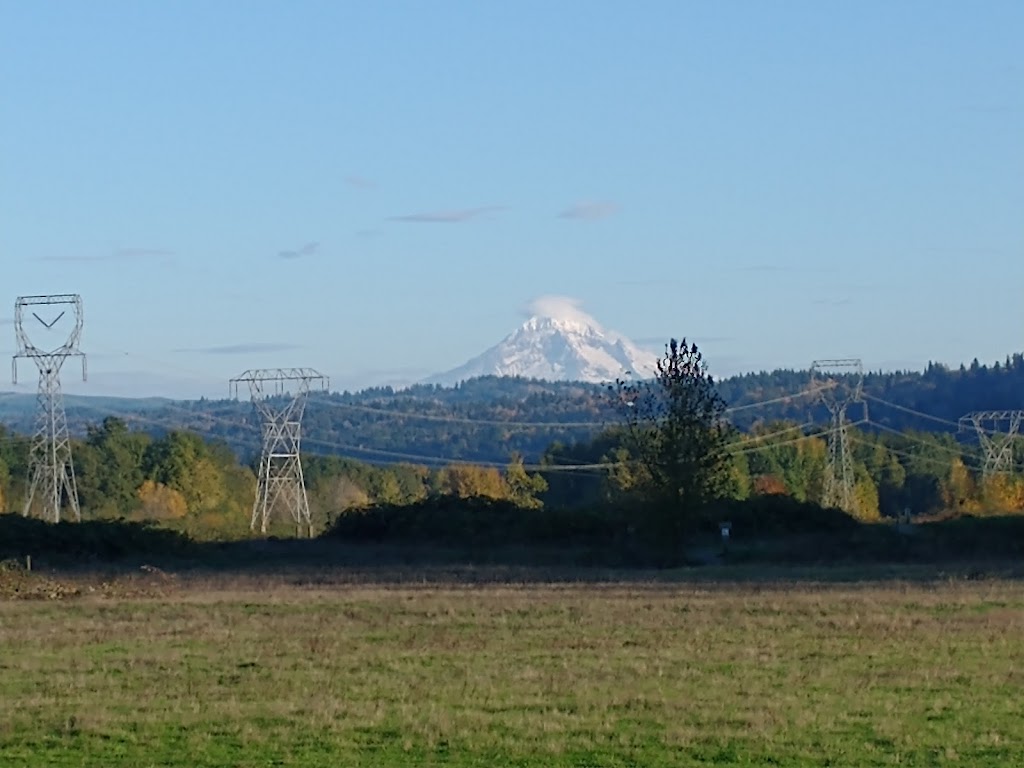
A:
(559, 342)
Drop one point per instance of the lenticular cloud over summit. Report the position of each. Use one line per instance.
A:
(558, 342)
(564, 308)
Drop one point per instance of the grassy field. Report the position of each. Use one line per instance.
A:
(274, 671)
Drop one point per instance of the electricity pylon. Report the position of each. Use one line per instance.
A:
(838, 384)
(279, 396)
(51, 477)
(996, 432)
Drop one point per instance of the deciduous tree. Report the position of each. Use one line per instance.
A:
(523, 488)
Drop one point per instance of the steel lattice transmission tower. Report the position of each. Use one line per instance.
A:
(838, 385)
(279, 396)
(51, 478)
(996, 432)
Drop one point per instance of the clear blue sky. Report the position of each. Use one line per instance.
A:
(378, 189)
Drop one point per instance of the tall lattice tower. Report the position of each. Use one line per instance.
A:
(279, 397)
(838, 384)
(51, 480)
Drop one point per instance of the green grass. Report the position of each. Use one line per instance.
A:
(244, 672)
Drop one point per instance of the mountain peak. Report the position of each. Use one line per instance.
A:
(559, 342)
(546, 323)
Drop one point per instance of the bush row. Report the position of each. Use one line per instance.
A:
(452, 521)
(93, 539)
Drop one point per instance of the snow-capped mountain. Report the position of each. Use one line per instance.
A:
(561, 344)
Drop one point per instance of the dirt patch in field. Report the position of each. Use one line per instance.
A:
(18, 582)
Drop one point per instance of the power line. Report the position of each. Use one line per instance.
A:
(751, 438)
(526, 424)
(905, 454)
(455, 419)
(401, 456)
(463, 419)
(909, 437)
(792, 441)
(911, 411)
(743, 447)
(781, 399)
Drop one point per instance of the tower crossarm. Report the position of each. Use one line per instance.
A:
(276, 382)
(991, 419)
(838, 381)
(24, 310)
(996, 431)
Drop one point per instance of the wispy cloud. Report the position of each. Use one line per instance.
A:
(360, 182)
(447, 217)
(118, 254)
(243, 349)
(297, 253)
(589, 211)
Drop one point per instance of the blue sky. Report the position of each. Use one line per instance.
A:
(377, 190)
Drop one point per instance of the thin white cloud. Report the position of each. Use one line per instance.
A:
(589, 211)
(446, 217)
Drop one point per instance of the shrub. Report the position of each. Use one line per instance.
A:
(93, 539)
(477, 521)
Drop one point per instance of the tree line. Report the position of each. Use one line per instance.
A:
(669, 457)
(199, 486)
(487, 419)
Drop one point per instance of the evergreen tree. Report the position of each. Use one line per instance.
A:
(676, 434)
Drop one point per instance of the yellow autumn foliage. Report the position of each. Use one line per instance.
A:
(160, 502)
(1003, 493)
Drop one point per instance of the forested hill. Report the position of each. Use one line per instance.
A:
(488, 419)
(932, 400)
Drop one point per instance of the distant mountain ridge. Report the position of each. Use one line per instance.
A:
(569, 346)
(489, 418)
